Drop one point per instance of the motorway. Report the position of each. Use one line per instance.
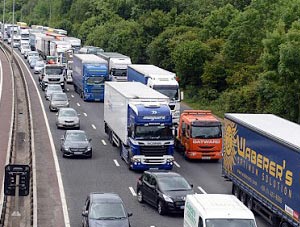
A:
(106, 172)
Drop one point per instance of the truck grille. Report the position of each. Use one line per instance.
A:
(154, 150)
(54, 79)
(172, 107)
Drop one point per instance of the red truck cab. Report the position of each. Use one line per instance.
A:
(199, 135)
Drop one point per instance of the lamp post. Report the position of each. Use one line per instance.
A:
(13, 33)
(3, 21)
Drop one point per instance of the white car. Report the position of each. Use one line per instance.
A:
(39, 65)
(30, 54)
(24, 48)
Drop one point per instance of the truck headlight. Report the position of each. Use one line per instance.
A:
(167, 198)
(136, 159)
(170, 159)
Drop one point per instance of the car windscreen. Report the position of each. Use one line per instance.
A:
(230, 222)
(153, 132)
(40, 64)
(173, 183)
(76, 137)
(59, 97)
(205, 132)
(67, 113)
(107, 211)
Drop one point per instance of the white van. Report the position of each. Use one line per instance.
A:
(216, 210)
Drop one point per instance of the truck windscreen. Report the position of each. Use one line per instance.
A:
(153, 132)
(172, 93)
(95, 80)
(54, 71)
(119, 72)
(230, 222)
(205, 132)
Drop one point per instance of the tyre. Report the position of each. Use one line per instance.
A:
(244, 197)
(249, 202)
(236, 191)
(160, 208)
(140, 196)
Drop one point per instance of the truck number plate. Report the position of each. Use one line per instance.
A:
(206, 158)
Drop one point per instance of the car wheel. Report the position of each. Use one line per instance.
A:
(160, 208)
(140, 196)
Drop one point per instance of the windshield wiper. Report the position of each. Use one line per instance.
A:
(180, 189)
(109, 218)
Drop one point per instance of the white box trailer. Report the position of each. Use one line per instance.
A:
(209, 210)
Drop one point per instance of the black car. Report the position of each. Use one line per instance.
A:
(104, 209)
(75, 142)
(165, 190)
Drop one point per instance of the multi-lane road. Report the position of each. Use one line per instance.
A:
(106, 172)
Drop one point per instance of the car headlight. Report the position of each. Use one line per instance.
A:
(167, 198)
(66, 148)
(89, 148)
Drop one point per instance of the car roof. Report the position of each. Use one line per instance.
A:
(75, 131)
(101, 197)
(162, 173)
(66, 108)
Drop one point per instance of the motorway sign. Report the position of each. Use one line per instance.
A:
(11, 171)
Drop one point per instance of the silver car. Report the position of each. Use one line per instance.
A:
(58, 100)
(67, 118)
(51, 88)
(39, 65)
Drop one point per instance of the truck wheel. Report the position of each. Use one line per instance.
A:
(75, 88)
(129, 160)
(236, 191)
(249, 202)
(244, 197)
(284, 224)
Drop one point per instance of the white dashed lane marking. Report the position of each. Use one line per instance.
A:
(85, 114)
(202, 190)
(132, 191)
(176, 164)
(116, 162)
(78, 104)
(93, 126)
(103, 141)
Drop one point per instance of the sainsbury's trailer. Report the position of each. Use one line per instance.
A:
(262, 159)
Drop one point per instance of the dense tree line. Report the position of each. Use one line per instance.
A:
(229, 55)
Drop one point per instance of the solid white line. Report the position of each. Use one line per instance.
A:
(78, 104)
(132, 191)
(1, 79)
(72, 96)
(57, 168)
(103, 141)
(202, 190)
(94, 127)
(116, 162)
(85, 114)
(176, 164)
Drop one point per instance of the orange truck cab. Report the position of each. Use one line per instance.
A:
(199, 135)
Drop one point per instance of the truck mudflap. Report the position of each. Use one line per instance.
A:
(141, 162)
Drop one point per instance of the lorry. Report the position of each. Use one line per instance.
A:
(58, 49)
(89, 75)
(199, 135)
(158, 79)
(261, 157)
(138, 120)
(52, 74)
(75, 43)
(43, 45)
(117, 65)
(216, 210)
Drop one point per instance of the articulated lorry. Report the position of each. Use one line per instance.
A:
(42, 45)
(117, 65)
(199, 135)
(138, 121)
(160, 80)
(89, 75)
(262, 159)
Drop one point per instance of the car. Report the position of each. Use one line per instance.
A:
(30, 54)
(58, 100)
(163, 189)
(67, 118)
(39, 65)
(33, 61)
(105, 209)
(24, 48)
(76, 143)
(9, 40)
(51, 88)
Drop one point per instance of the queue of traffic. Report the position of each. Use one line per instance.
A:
(142, 121)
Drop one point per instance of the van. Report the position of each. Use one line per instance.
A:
(216, 210)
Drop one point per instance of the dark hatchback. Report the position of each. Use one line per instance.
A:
(76, 143)
(104, 210)
(165, 190)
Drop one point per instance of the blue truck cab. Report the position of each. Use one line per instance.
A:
(138, 121)
(89, 75)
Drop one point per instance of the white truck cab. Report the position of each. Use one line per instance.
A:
(216, 210)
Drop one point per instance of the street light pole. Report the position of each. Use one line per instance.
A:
(3, 21)
(13, 33)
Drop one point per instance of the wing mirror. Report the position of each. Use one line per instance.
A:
(129, 214)
(85, 213)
